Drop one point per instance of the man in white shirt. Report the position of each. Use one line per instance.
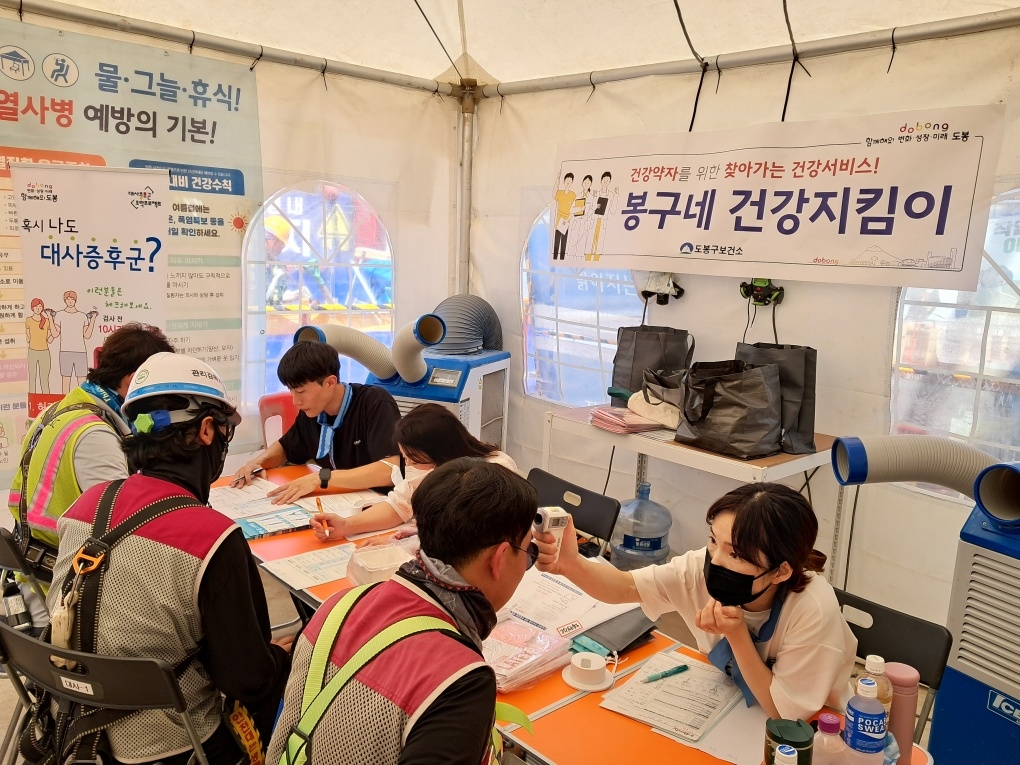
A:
(73, 328)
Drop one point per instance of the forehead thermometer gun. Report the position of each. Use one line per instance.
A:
(553, 520)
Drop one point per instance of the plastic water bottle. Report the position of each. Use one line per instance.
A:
(864, 734)
(829, 748)
(874, 667)
(641, 535)
(905, 680)
(785, 755)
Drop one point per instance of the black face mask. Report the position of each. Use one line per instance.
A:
(217, 451)
(730, 587)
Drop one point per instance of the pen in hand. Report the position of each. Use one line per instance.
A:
(665, 673)
(325, 524)
(240, 479)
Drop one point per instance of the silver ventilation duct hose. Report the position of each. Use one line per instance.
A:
(364, 349)
(932, 459)
(409, 342)
(471, 325)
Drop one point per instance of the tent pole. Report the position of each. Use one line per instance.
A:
(464, 202)
(164, 32)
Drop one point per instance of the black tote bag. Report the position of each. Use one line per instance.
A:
(646, 347)
(797, 366)
(731, 408)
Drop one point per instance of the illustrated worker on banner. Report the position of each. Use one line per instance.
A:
(605, 204)
(73, 328)
(561, 226)
(39, 334)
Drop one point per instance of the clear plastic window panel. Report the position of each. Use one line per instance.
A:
(570, 318)
(957, 368)
(317, 254)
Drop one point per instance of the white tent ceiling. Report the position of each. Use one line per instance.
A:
(510, 40)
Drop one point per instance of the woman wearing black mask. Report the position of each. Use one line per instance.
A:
(752, 598)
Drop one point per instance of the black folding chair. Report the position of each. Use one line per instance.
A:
(594, 514)
(104, 682)
(11, 559)
(902, 638)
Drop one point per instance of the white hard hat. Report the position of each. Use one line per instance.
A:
(165, 374)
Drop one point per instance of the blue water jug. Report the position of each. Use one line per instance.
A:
(641, 535)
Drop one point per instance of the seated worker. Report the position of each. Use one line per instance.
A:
(753, 599)
(75, 444)
(428, 436)
(345, 428)
(429, 697)
(180, 583)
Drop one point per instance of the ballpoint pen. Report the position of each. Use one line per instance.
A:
(325, 525)
(254, 473)
(665, 673)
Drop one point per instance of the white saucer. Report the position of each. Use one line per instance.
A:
(568, 678)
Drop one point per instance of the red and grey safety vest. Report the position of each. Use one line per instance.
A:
(352, 709)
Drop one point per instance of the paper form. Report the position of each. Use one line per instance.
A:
(312, 568)
(244, 501)
(685, 705)
(554, 605)
(344, 505)
(282, 519)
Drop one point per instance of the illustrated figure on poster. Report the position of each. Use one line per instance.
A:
(605, 203)
(581, 219)
(283, 282)
(564, 205)
(73, 327)
(39, 334)
(60, 71)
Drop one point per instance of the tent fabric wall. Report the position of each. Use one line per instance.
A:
(395, 147)
(348, 130)
(852, 326)
(524, 39)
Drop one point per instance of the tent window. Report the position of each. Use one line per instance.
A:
(316, 254)
(570, 318)
(956, 369)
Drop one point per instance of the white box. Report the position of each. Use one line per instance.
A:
(375, 564)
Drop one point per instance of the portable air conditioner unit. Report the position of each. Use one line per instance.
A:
(475, 387)
(977, 709)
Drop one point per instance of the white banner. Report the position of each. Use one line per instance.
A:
(92, 243)
(888, 199)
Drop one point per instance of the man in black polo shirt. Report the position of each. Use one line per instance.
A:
(345, 429)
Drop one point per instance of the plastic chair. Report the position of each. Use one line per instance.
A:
(594, 514)
(277, 405)
(902, 638)
(104, 682)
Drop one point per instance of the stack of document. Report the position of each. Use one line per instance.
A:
(535, 630)
(520, 654)
(621, 420)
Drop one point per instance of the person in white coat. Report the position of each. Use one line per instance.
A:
(753, 598)
(428, 436)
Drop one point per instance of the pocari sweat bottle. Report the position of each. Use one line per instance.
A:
(864, 733)
(641, 535)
